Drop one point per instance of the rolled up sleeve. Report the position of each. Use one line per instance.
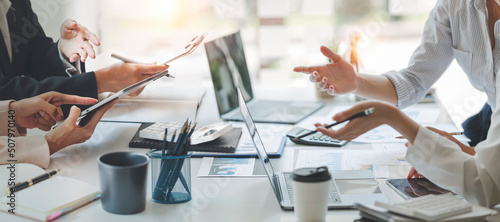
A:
(428, 62)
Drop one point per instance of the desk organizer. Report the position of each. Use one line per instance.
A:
(171, 177)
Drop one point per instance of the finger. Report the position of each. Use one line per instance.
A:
(99, 113)
(70, 24)
(406, 144)
(90, 36)
(331, 90)
(151, 69)
(60, 113)
(43, 124)
(321, 85)
(330, 54)
(73, 57)
(350, 112)
(74, 113)
(314, 77)
(306, 69)
(51, 110)
(89, 49)
(348, 132)
(72, 99)
(82, 53)
(43, 115)
(411, 173)
(440, 132)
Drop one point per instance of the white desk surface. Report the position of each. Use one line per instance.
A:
(214, 199)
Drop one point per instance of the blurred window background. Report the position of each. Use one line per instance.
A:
(277, 34)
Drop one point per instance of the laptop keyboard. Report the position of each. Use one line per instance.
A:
(261, 107)
(333, 194)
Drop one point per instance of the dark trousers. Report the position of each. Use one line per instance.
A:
(476, 127)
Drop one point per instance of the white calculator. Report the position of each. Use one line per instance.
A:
(200, 135)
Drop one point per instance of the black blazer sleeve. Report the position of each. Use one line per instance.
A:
(36, 67)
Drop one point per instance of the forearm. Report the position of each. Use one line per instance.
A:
(32, 149)
(403, 124)
(376, 87)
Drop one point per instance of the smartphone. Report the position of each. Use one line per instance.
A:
(317, 139)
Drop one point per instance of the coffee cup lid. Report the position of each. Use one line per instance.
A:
(311, 174)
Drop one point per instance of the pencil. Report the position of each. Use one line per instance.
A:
(124, 59)
(452, 133)
(357, 115)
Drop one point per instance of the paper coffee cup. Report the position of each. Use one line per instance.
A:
(310, 193)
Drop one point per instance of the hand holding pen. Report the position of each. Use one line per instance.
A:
(357, 115)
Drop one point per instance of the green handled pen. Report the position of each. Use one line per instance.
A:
(357, 115)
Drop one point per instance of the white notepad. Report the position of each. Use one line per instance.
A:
(44, 198)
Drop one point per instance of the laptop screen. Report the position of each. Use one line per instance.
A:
(228, 68)
(259, 145)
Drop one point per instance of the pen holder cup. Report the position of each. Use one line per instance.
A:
(171, 177)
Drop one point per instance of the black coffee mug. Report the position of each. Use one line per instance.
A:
(123, 182)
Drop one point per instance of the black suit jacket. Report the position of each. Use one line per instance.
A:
(36, 67)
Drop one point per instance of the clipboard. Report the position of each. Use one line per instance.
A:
(87, 114)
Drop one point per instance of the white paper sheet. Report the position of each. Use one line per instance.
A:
(393, 154)
(214, 166)
(342, 160)
(422, 115)
(234, 167)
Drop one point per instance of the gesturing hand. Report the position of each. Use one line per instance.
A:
(75, 41)
(337, 77)
(43, 110)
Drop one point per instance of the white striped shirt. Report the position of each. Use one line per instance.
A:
(455, 29)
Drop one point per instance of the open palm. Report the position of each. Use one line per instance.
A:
(339, 73)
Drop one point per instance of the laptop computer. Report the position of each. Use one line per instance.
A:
(228, 69)
(347, 187)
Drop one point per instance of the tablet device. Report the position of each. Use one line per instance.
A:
(87, 114)
(414, 187)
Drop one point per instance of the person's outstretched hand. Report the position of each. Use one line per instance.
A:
(69, 132)
(43, 111)
(337, 77)
(76, 41)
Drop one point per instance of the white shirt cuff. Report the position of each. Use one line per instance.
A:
(34, 150)
(71, 69)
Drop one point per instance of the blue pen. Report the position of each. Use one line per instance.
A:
(164, 142)
(180, 147)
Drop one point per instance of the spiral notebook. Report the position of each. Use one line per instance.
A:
(226, 143)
